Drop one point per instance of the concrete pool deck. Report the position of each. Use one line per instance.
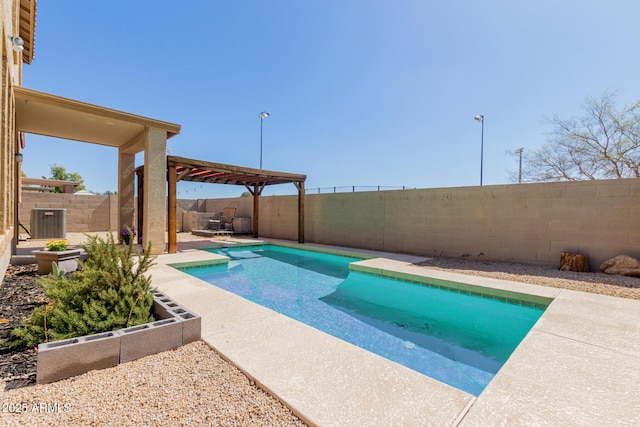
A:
(577, 366)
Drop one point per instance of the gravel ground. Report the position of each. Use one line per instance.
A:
(194, 385)
(599, 283)
(191, 385)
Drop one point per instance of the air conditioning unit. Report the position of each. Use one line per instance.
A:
(48, 223)
(242, 225)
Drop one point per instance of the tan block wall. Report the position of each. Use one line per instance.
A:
(184, 206)
(84, 213)
(243, 205)
(192, 220)
(529, 223)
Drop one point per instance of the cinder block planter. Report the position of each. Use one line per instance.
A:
(191, 325)
(165, 308)
(143, 340)
(64, 359)
(162, 305)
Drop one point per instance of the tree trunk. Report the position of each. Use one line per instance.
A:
(573, 262)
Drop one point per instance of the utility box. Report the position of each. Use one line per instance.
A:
(48, 223)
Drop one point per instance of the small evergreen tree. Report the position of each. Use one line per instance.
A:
(110, 292)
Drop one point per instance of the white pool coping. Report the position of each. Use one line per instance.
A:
(577, 366)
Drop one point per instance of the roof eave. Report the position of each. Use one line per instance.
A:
(27, 30)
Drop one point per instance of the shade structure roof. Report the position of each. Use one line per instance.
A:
(183, 169)
(51, 115)
(219, 173)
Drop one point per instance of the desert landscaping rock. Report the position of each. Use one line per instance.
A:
(623, 265)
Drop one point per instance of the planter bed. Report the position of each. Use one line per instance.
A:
(175, 327)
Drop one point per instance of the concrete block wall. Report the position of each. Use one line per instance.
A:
(192, 220)
(84, 213)
(183, 206)
(279, 217)
(243, 205)
(529, 223)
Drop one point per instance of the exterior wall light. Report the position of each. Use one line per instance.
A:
(17, 42)
(19, 157)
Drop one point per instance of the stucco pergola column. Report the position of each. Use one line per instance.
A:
(155, 190)
(126, 190)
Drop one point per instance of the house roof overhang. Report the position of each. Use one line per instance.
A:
(219, 173)
(27, 28)
(51, 115)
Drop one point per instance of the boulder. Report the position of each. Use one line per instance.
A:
(623, 265)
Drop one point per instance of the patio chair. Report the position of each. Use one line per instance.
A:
(215, 222)
(227, 218)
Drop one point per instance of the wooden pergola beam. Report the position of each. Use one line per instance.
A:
(255, 180)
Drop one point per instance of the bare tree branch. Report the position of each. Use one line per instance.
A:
(603, 143)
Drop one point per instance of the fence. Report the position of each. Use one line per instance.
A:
(85, 213)
(354, 188)
(529, 223)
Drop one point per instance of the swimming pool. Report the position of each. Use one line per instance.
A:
(459, 339)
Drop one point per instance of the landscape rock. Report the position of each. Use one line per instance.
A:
(623, 265)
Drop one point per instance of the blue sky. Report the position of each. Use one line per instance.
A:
(361, 93)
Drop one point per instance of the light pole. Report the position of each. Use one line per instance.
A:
(480, 118)
(262, 116)
(519, 151)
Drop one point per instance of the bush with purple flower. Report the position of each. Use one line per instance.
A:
(126, 234)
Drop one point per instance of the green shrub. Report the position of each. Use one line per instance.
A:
(109, 292)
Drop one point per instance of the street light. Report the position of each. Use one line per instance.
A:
(480, 118)
(262, 116)
(519, 151)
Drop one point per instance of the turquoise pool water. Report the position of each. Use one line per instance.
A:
(459, 339)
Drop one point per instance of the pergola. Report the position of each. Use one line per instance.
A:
(182, 169)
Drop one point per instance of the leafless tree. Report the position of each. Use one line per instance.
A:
(604, 143)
